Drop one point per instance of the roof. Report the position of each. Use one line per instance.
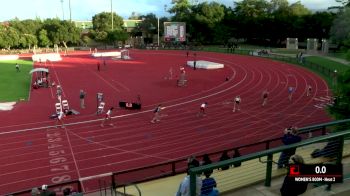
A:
(87, 24)
(131, 23)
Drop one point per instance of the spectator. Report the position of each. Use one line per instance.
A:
(206, 161)
(235, 155)
(224, 157)
(35, 191)
(66, 192)
(290, 137)
(290, 187)
(184, 188)
(192, 162)
(209, 186)
(46, 192)
(329, 151)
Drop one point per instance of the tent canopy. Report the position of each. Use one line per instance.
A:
(39, 70)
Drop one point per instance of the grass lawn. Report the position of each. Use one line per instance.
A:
(341, 55)
(324, 63)
(14, 85)
(333, 65)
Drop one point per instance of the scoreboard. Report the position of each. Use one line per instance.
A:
(174, 31)
(316, 173)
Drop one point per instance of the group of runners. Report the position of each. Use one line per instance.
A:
(157, 111)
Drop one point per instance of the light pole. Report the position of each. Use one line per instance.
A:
(158, 33)
(335, 78)
(70, 12)
(112, 13)
(62, 9)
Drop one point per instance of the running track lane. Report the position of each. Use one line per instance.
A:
(86, 149)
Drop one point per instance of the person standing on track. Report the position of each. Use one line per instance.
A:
(265, 94)
(59, 93)
(308, 90)
(201, 112)
(290, 93)
(236, 103)
(194, 61)
(82, 99)
(59, 119)
(98, 66)
(108, 117)
(170, 73)
(157, 113)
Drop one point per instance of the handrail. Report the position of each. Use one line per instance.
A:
(303, 130)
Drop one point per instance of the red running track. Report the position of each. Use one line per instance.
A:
(33, 153)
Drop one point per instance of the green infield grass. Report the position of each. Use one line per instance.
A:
(15, 86)
(332, 65)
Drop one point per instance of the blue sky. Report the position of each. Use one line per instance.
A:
(85, 9)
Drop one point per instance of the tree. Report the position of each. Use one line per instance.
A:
(205, 19)
(61, 32)
(252, 8)
(10, 37)
(148, 27)
(281, 6)
(340, 31)
(85, 39)
(102, 27)
(3, 41)
(341, 107)
(181, 10)
(299, 9)
(346, 3)
(209, 14)
(26, 26)
(28, 40)
(117, 35)
(317, 25)
(44, 41)
(101, 36)
(103, 21)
